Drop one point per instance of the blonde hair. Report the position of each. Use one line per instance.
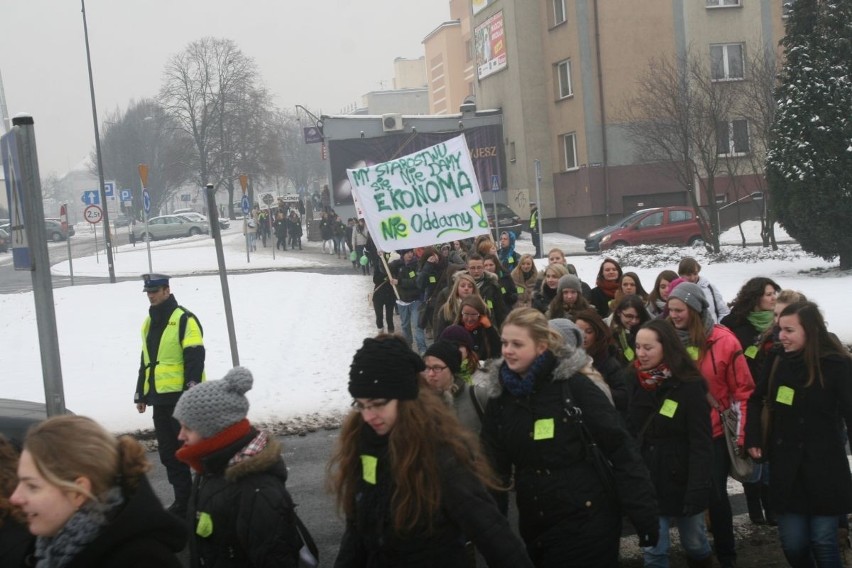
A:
(560, 269)
(65, 448)
(451, 307)
(536, 325)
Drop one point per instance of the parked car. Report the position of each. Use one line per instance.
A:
(194, 216)
(169, 227)
(16, 416)
(659, 225)
(4, 241)
(121, 221)
(508, 219)
(54, 232)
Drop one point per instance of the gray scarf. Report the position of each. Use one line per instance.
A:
(708, 329)
(81, 529)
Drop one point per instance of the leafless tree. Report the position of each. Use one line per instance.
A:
(202, 86)
(144, 133)
(303, 163)
(673, 121)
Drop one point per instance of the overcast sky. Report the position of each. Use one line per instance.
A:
(323, 54)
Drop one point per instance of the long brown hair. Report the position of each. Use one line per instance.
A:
(424, 429)
(8, 481)
(451, 308)
(819, 342)
(675, 355)
(603, 334)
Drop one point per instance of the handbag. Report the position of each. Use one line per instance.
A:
(308, 552)
(593, 452)
(742, 466)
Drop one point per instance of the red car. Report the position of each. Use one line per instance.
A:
(661, 225)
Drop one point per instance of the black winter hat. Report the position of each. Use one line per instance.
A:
(446, 351)
(385, 368)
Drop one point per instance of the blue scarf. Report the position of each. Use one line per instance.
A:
(519, 385)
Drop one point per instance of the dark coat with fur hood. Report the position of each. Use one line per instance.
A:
(249, 507)
(564, 508)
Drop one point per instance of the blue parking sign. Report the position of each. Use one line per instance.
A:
(244, 204)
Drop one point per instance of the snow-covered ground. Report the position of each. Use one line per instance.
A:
(297, 331)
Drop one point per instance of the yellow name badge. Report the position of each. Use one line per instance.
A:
(511, 260)
(368, 468)
(785, 395)
(432, 280)
(204, 528)
(543, 429)
(412, 274)
(669, 408)
(629, 354)
(751, 351)
(490, 305)
(520, 289)
(693, 352)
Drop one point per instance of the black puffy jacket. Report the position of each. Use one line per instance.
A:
(248, 506)
(565, 511)
(467, 512)
(142, 534)
(677, 442)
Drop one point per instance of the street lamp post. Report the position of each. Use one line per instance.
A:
(107, 236)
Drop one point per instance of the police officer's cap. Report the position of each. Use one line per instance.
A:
(154, 282)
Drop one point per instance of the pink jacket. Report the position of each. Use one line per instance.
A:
(728, 377)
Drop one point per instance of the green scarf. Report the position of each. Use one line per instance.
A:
(762, 320)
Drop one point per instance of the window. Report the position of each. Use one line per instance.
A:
(563, 79)
(732, 138)
(652, 220)
(726, 61)
(679, 216)
(569, 149)
(558, 12)
(722, 3)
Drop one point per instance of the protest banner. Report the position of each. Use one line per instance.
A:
(424, 198)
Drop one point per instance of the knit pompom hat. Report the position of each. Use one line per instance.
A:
(571, 334)
(211, 406)
(385, 368)
(570, 282)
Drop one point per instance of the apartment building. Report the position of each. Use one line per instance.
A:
(562, 72)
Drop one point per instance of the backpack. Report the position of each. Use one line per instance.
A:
(308, 551)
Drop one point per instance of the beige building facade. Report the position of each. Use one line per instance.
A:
(562, 71)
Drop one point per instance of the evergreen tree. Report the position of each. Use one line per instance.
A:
(809, 163)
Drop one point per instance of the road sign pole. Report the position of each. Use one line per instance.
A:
(538, 205)
(496, 216)
(213, 217)
(63, 217)
(97, 254)
(146, 205)
(48, 339)
(244, 205)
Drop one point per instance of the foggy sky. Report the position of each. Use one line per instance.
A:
(323, 54)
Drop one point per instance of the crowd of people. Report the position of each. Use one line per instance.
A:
(588, 404)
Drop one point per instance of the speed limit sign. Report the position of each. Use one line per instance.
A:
(93, 214)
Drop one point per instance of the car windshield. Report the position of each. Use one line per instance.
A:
(629, 219)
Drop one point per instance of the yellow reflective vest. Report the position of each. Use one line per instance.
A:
(168, 370)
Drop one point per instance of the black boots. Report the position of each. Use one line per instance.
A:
(755, 507)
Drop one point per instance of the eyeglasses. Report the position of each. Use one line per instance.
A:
(435, 368)
(371, 406)
(630, 317)
(469, 315)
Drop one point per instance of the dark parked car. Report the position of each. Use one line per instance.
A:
(507, 219)
(660, 225)
(53, 229)
(16, 416)
(121, 221)
(4, 241)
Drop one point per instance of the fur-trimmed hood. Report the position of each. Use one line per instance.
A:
(267, 459)
(570, 362)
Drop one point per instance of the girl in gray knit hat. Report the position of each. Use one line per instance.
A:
(239, 500)
(719, 356)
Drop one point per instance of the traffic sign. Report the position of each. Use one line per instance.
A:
(495, 183)
(109, 189)
(126, 195)
(91, 197)
(244, 204)
(93, 214)
(146, 200)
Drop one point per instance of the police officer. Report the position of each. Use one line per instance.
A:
(172, 362)
(535, 228)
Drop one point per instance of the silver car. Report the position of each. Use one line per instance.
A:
(170, 227)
